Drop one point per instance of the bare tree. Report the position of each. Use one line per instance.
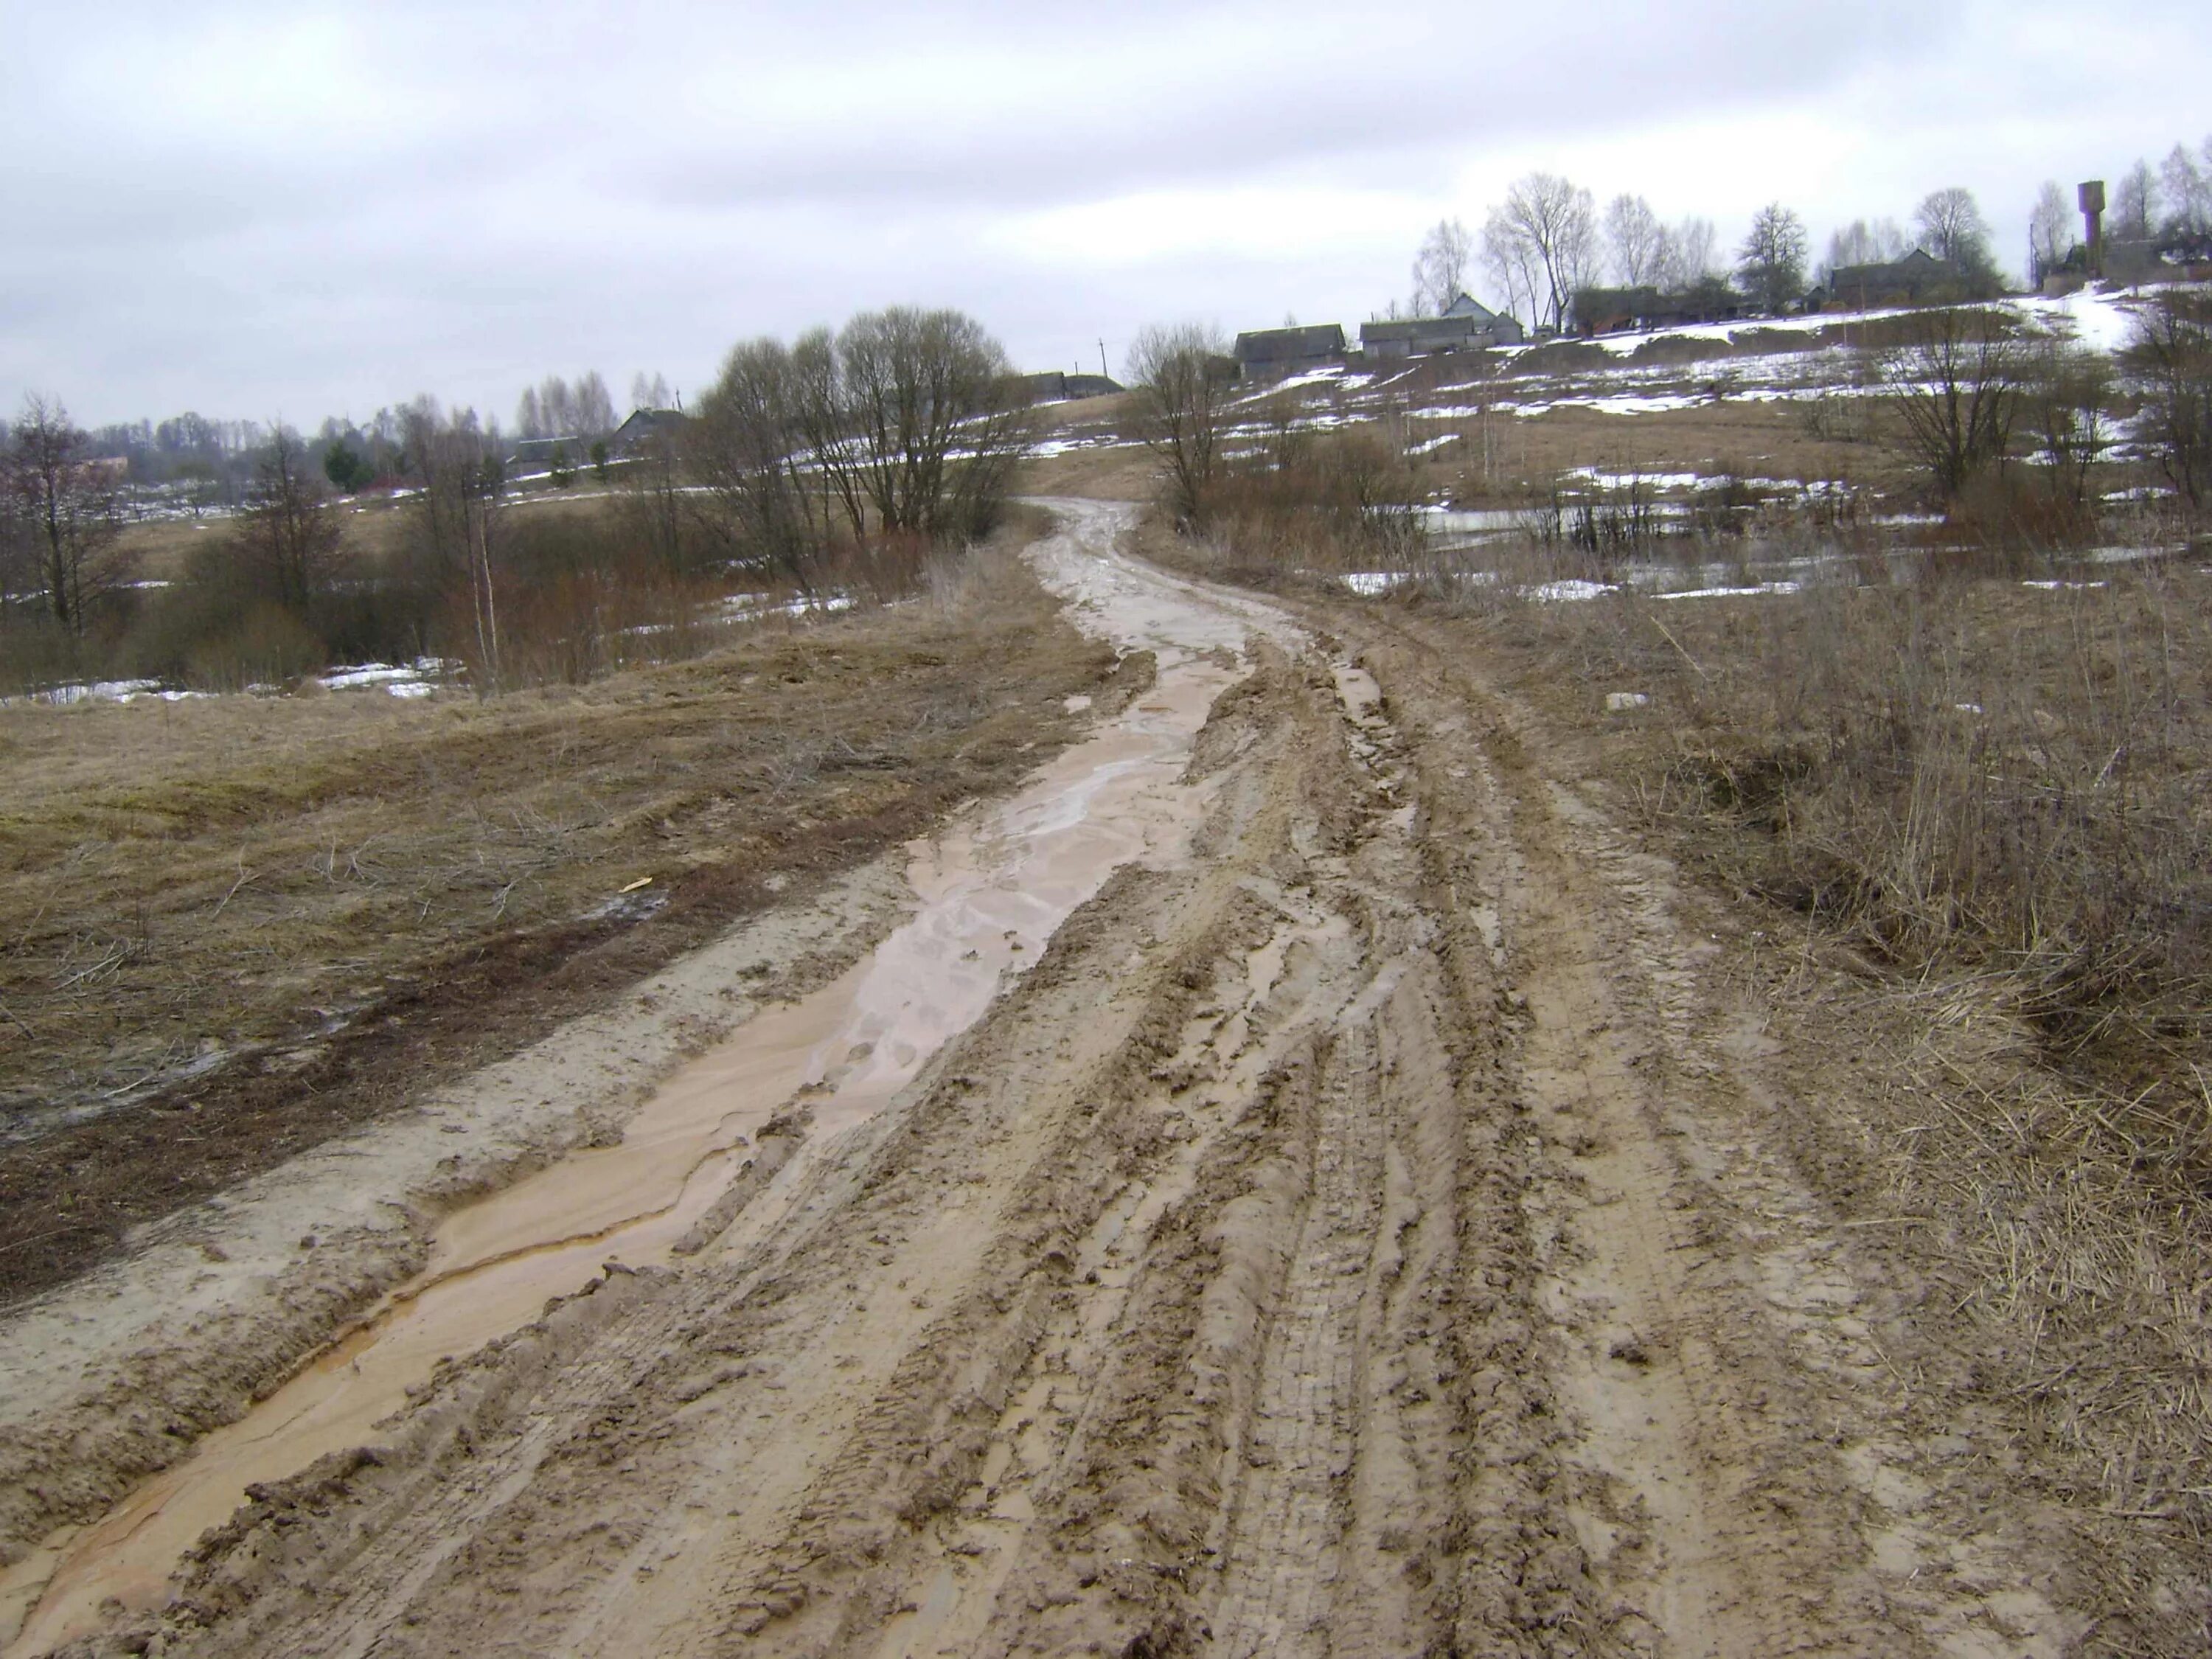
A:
(1440, 267)
(1178, 373)
(595, 406)
(2187, 187)
(64, 507)
(2050, 232)
(1770, 266)
(2168, 362)
(1956, 386)
(750, 451)
(1544, 240)
(2066, 403)
(1864, 242)
(1952, 229)
(2134, 204)
(1636, 240)
(930, 420)
(529, 418)
(285, 547)
(1688, 253)
(650, 392)
(1513, 270)
(457, 518)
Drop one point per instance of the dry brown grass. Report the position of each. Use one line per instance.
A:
(333, 895)
(1985, 809)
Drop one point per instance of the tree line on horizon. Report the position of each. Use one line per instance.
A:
(1548, 241)
(843, 460)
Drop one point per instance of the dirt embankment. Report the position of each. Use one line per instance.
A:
(1387, 1230)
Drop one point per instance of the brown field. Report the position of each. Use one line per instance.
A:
(327, 899)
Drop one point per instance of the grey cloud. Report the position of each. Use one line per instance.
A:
(242, 207)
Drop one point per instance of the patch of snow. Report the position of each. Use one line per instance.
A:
(2100, 321)
(1368, 583)
(1322, 376)
(1731, 593)
(1620, 702)
(2060, 587)
(1570, 592)
(75, 692)
(368, 673)
(1605, 480)
(2132, 555)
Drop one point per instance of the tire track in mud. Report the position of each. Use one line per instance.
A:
(1355, 1242)
(1739, 1449)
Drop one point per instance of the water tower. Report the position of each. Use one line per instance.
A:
(2091, 196)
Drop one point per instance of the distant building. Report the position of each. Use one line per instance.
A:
(1610, 310)
(1057, 386)
(644, 427)
(527, 457)
(2178, 257)
(1272, 354)
(1917, 279)
(1466, 325)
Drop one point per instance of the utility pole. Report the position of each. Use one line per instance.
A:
(1102, 374)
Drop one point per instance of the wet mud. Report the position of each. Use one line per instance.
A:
(1292, 1188)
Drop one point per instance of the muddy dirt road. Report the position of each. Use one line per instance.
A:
(1357, 1231)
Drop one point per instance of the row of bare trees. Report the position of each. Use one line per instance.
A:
(902, 424)
(1547, 242)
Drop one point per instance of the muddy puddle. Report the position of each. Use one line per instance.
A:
(990, 891)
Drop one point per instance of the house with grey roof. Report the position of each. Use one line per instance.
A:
(1273, 354)
(646, 426)
(1056, 385)
(1466, 325)
(1917, 279)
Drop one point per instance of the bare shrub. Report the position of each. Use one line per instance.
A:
(1955, 387)
(1345, 501)
(2169, 363)
(1181, 376)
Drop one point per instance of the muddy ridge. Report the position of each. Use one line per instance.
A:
(1361, 1227)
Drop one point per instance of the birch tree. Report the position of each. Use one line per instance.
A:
(1636, 240)
(1440, 267)
(1543, 241)
(65, 511)
(1181, 392)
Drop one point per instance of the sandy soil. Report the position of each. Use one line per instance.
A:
(1370, 1225)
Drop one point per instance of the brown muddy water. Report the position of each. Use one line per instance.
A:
(990, 891)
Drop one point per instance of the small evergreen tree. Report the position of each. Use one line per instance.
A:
(343, 466)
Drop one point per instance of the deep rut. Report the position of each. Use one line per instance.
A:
(1357, 1240)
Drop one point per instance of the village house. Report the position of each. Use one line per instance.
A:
(1465, 325)
(1057, 386)
(1610, 310)
(645, 427)
(1273, 354)
(1917, 279)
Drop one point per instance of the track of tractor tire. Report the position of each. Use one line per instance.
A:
(1368, 1239)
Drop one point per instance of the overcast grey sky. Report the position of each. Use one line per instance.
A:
(300, 211)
